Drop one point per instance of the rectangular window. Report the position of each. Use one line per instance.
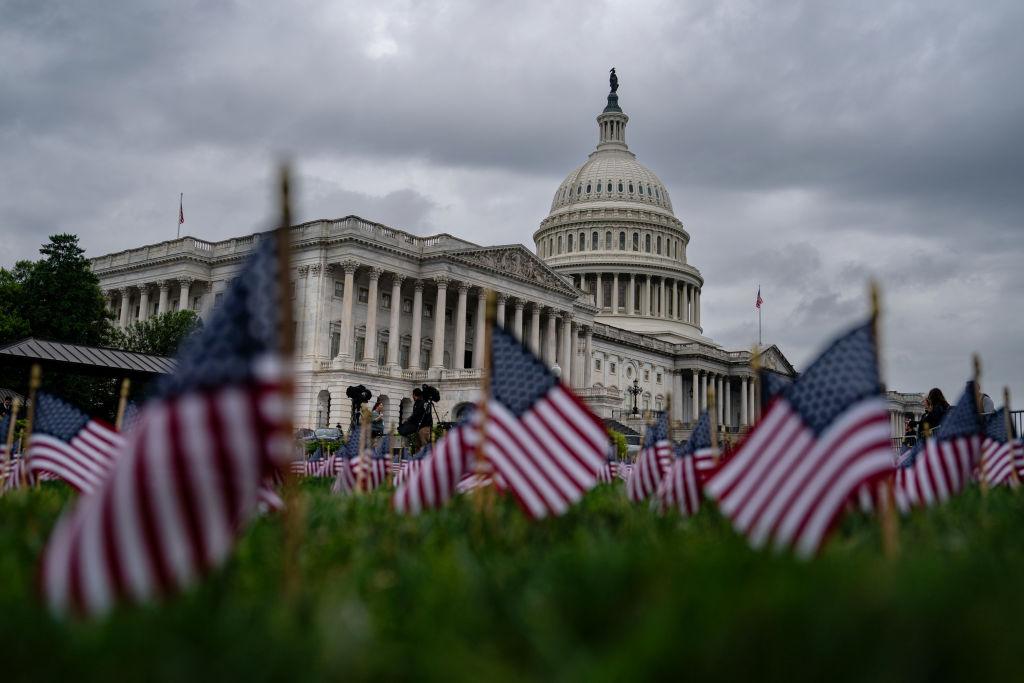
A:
(424, 358)
(611, 368)
(364, 295)
(382, 353)
(657, 378)
(385, 302)
(403, 355)
(195, 303)
(647, 375)
(335, 343)
(428, 310)
(339, 288)
(597, 363)
(448, 316)
(360, 347)
(218, 298)
(406, 305)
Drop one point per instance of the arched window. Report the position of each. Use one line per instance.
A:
(620, 186)
(649, 191)
(579, 190)
(636, 241)
(609, 186)
(599, 186)
(631, 188)
(647, 243)
(622, 241)
(641, 188)
(594, 241)
(659, 244)
(608, 240)
(657, 193)
(588, 188)
(583, 241)
(559, 244)
(568, 244)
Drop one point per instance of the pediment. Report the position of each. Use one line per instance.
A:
(515, 261)
(773, 359)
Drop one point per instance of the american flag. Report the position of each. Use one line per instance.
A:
(608, 474)
(324, 467)
(542, 440)
(941, 465)
(652, 462)
(772, 384)
(68, 444)
(680, 487)
(821, 439)
(189, 476)
(997, 451)
(625, 469)
(759, 300)
(181, 209)
(432, 480)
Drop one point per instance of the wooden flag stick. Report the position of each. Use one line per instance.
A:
(8, 454)
(35, 379)
(976, 365)
(890, 526)
(1014, 478)
(122, 403)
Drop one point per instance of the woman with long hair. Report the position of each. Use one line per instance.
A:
(936, 407)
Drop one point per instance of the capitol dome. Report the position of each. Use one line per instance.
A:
(612, 229)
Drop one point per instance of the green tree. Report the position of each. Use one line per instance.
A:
(160, 335)
(57, 297)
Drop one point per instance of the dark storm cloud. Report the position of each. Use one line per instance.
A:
(808, 146)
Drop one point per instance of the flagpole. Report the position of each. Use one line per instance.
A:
(1009, 437)
(122, 403)
(35, 379)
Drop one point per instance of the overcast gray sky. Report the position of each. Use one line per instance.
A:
(806, 145)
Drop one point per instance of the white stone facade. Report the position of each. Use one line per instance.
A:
(608, 297)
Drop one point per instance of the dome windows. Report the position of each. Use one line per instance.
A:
(583, 241)
(631, 188)
(647, 243)
(568, 244)
(588, 188)
(620, 186)
(636, 241)
(559, 244)
(622, 241)
(609, 186)
(659, 245)
(608, 240)
(594, 241)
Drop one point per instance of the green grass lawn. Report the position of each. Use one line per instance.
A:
(609, 592)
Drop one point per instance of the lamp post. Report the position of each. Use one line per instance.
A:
(635, 390)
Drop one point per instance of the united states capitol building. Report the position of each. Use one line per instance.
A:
(608, 296)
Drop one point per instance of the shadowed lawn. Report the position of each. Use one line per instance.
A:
(609, 592)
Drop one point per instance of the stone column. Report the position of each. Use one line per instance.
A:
(752, 403)
(345, 342)
(727, 418)
(481, 327)
(663, 311)
(393, 327)
(599, 294)
(535, 330)
(437, 353)
(695, 395)
(499, 315)
(550, 354)
(319, 335)
(566, 356)
(588, 357)
(143, 303)
(615, 294)
(631, 296)
(183, 295)
(696, 298)
(161, 304)
(370, 347)
(123, 320)
(677, 396)
(517, 325)
(743, 403)
(675, 300)
(703, 390)
(645, 295)
(720, 399)
(417, 326)
(459, 353)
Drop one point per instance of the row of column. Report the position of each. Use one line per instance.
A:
(659, 297)
(721, 386)
(563, 355)
(163, 303)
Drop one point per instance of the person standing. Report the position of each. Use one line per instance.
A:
(936, 407)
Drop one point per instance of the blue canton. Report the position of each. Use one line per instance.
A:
(700, 438)
(847, 372)
(383, 446)
(422, 453)
(658, 431)
(962, 419)
(772, 384)
(518, 378)
(995, 426)
(57, 418)
(351, 447)
(244, 327)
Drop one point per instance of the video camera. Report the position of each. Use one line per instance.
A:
(430, 393)
(359, 395)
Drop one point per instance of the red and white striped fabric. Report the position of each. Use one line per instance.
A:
(609, 473)
(783, 484)
(405, 470)
(550, 455)
(996, 462)
(268, 500)
(344, 478)
(325, 467)
(648, 471)
(680, 487)
(433, 481)
(377, 472)
(941, 470)
(188, 479)
(84, 462)
(625, 470)
(476, 480)
(1018, 457)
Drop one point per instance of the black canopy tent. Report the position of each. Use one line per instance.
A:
(89, 360)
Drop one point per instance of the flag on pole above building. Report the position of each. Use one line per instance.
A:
(759, 300)
(188, 479)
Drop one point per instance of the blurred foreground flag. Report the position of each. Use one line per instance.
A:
(652, 461)
(997, 451)
(69, 445)
(189, 477)
(822, 437)
(544, 443)
(434, 473)
(680, 488)
(940, 466)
